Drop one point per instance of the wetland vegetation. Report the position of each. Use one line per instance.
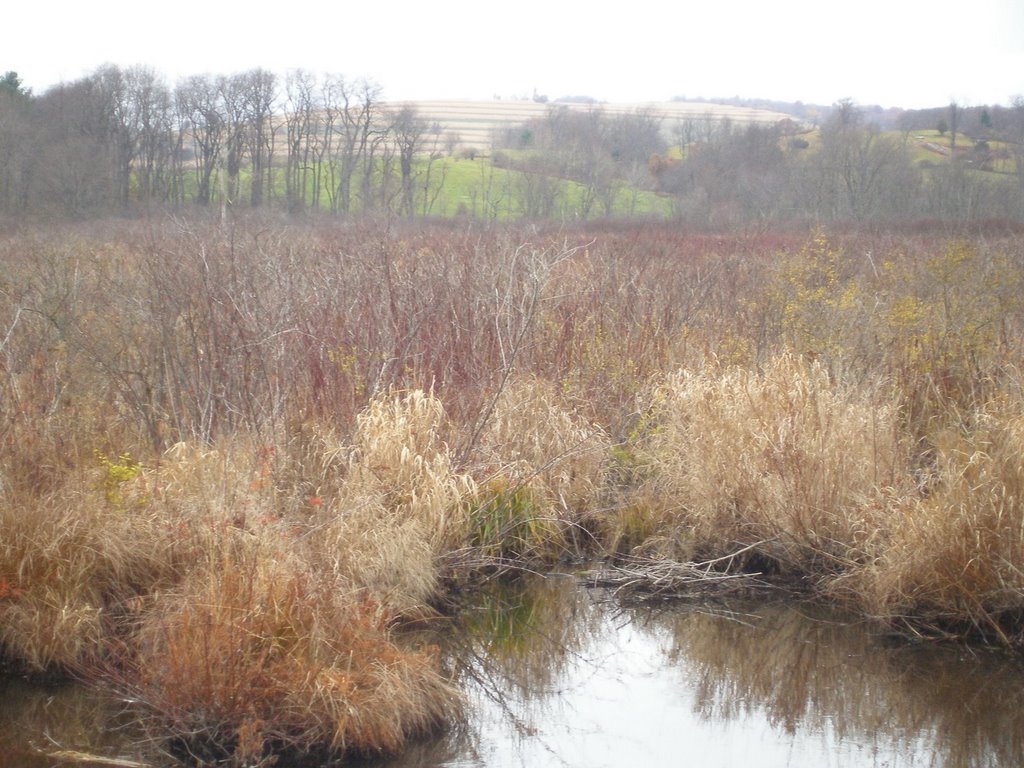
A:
(294, 404)
(243, 461)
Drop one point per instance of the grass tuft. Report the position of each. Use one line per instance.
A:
(544, 468)
(954, 558)
(254, 654)
(782, 462)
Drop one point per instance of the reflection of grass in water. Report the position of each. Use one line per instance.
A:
(817, 671)
(973, 704)
(783, 663)
(44, 719)
(514, 641)
(522, 634)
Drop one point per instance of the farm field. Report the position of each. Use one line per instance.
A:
(475, 122)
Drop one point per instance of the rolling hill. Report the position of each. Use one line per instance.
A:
(474, 122)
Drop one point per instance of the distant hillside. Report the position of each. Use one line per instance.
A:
(475, 122)
(978, 121)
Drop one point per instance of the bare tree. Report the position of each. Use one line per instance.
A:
(199, 111)
(955, 111)
(232, 91)
(351, 115)
(409, 131)
(323, 140)
(433, 184)
(17, 149)
(300, 104)
(78, 168)
(259, 92)
(858, 159)
(150, 111)
(1014, 133)
(110, 92)
(133, 108)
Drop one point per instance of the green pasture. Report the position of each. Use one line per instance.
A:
(451, 186)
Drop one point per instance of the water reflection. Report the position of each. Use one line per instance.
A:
(563, 676)
(808, 674)
(46, 726)
(557, 675)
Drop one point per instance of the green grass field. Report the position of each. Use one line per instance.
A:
(459, 186)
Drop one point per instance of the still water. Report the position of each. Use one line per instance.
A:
(559, 675)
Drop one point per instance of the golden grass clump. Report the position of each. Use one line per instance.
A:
(197, 583)
(402, 458)
(396, 507)
(955, 555)
(543, 467)
(375, 514)
(70, 560)
(255, 654)
(782, 460)
(392, 559)
(75, 563)
(535, 438)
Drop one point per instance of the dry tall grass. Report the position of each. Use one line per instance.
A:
(245, 615)
(542, 468)
(784, 464)
(72, 561)
(396, 504)
(280, 624)
(254, 652)
(955, 555)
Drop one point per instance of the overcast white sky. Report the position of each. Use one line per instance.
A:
(888, 52)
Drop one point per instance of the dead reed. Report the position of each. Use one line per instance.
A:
(395, 507)
(782, 463)
(72, 560)
(542, 468)
(255, 653)
(953, 561)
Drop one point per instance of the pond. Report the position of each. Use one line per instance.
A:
(561, 675)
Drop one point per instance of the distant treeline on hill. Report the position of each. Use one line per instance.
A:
(123, 140)
(974, 120)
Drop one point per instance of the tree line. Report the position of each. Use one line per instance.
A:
(122, 139)
(726, 172)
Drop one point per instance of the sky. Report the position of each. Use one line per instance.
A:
(888, 52)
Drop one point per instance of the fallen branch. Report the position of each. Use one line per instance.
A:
(85, 757)
(656, 577)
